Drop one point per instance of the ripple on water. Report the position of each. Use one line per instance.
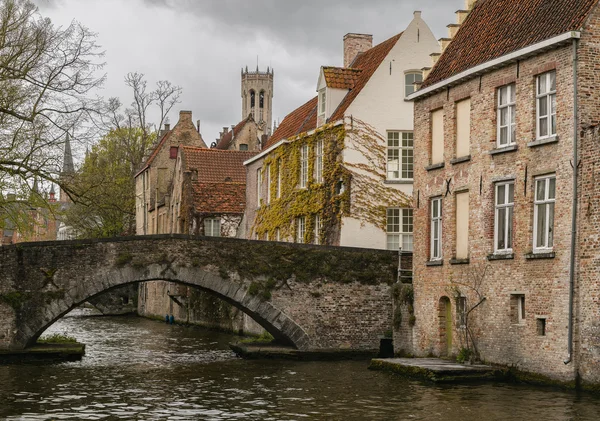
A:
(141, 369)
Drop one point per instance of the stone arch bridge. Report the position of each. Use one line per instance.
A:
(310, 297)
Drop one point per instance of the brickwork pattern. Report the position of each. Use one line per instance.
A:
(44, 281)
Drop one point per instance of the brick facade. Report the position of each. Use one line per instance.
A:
(543, 279)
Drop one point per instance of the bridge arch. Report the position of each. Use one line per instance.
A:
(271, 318)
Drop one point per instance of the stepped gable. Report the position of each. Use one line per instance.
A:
(341, 77)
(225, 141)
(495, 28)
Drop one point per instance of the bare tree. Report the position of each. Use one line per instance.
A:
(468, 292)
(47, 75)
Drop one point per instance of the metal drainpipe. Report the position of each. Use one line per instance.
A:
(574, 211)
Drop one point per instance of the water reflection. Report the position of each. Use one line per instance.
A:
(141, 369)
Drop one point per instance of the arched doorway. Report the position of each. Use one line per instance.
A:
(445, 326)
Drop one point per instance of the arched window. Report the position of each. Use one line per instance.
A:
(252, 99)
(261, 101)
(409, 82)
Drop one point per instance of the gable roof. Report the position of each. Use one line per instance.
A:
(215, 165)
(495, 28)
(219, 197)
(225, 141)
(304, 118)
(155, 152)
(340, 77)
(368, 62)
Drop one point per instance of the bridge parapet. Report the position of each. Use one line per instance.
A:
(312, 297)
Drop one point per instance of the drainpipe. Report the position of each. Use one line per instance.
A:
(574, 211)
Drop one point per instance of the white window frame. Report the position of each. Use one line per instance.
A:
(304, 166)
(318, 228)
(549, 96)
(279, 168)
(259, 186)
(549, 203)
(400, 233)
(209, 227)
(436, 234)
(268, 180)
(405, 155)
(322, 101)
(411, 85)
(511, 107)
(300, 229)
(319, 161)
(508, 216)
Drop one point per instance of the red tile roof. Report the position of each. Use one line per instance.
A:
(298, 121)
(495, 28)
(219, 197)
(368, 62)
(225, 141)
(215, 165)
(340, 77)
(304, 118)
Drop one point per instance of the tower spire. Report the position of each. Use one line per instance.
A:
(68, 167)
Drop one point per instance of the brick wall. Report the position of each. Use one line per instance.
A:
(544, 282)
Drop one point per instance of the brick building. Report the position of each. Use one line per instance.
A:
(338, 170)
(506, 232)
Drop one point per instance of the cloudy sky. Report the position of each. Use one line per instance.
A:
(201, 45)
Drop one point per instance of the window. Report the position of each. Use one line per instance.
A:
(400, 156)
(319, 161)
(409, 82)
(507, 128)
(279, 169)
(300, 229)
(261, 99)
(461, 311)
(503, 220)
(517, 308)
(400, 229)
(303, 166)
(252, 102)
(173, 152)
(546, 105)
(268, 181)
(243, 146)
(463, 128)
(437, 137)
(212, 227)
(543, 217)
(317, 229)
(541, 326)
(259, 186)
(462, 225)
(322, 101)
(436, 229)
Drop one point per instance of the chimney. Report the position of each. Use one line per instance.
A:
(185, 116)
(354, 44)
(198, 126)
(167, 127)
(225, 130)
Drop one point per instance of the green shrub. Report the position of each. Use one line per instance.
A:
(57, 338)
(464, 355)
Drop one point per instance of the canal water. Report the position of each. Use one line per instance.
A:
(146, 370)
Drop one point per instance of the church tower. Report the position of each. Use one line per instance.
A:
(257, 98)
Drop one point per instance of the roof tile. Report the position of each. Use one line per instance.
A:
(215, 165)
(340, 77)
(495, 28)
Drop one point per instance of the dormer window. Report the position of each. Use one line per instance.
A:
(322, 101)
(410, 79)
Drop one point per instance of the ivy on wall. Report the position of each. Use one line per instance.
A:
(348, 189)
